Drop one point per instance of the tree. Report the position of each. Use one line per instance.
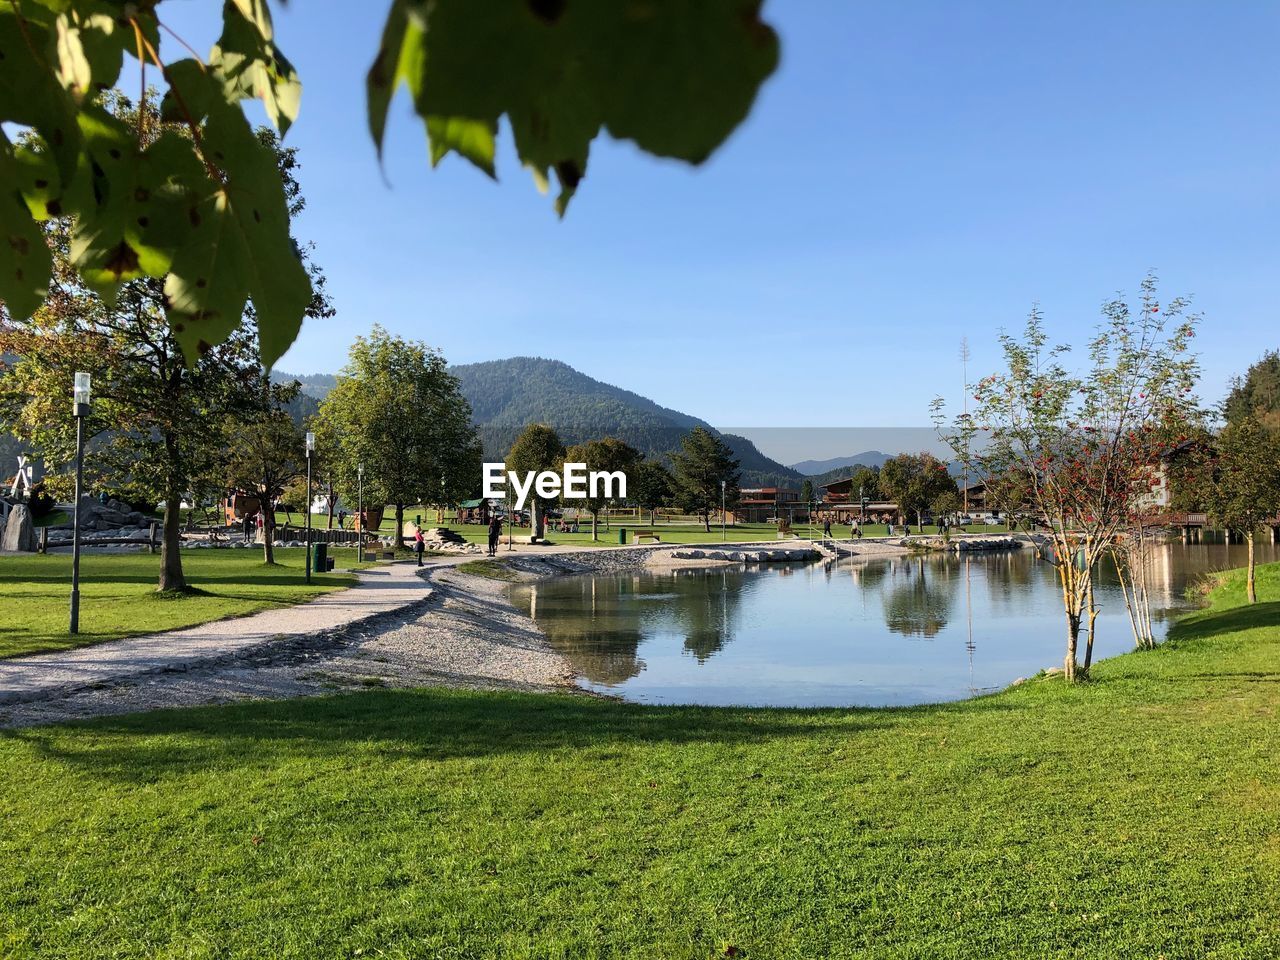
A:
(866, 480)
(610, 455)
(651, 486)
(161, 412)
(806, 492)
(947, 503)
(1082, 450)
(915, 481)
(205, 211)
(706, 474)
(1243, 489)
(1257, 394)
(264, 456)
(397, 410)
(538, 448)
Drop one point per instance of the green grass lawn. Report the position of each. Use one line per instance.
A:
(1137, 816)
(118, 598)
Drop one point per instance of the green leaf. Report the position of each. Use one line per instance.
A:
(674, 76)
(250, 64)
(472, 139)
(25, 264)
(241, 246)
(30, 94)
(397, 61)
(141, 201)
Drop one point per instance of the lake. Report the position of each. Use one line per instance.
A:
(893, 631)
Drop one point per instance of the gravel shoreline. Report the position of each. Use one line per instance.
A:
(467, 635)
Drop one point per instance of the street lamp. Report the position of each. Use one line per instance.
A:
(722, 511)
(311, 447)
(360, 511)
(80, 410)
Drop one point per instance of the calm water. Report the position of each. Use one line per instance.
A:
(893, 631)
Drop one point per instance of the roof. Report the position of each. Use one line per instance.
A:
(470, 504)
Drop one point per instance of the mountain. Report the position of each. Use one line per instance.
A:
(507, 395)
(314, 385)
(869, 458)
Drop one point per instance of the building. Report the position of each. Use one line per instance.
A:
(763, 504)
(841, 504)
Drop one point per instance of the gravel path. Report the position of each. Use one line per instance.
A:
(380, 591)
(458, 631)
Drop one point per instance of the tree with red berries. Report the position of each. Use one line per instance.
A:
(1083, 448)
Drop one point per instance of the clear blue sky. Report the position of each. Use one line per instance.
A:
(913, 173)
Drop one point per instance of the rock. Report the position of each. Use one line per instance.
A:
(19, 532)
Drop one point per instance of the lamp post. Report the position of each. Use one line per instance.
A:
(80, 410)
(722, 537)
(360, 511)
(311, 446)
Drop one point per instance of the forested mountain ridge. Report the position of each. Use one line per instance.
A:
(508, 395)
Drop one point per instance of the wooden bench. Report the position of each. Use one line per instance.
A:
(638, 535)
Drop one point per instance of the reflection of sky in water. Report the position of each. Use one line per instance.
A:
(894, 631)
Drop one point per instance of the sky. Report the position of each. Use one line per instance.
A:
(912, 174)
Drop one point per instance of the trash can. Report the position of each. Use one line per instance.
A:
(622, 535)
(320, 558)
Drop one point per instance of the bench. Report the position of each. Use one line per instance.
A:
(638, 535)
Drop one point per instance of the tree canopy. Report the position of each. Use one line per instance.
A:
(706, 474)
(397, 411)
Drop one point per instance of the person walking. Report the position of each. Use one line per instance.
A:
(419, 545)
(259, 522)
(826, 528)
(342, 519)
(246, 527)
(495, 532)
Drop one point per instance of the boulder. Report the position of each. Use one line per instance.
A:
(19, 532)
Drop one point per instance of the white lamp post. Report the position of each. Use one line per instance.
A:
(80, 410)
(311, 447)
(360, 511)
(722, 483)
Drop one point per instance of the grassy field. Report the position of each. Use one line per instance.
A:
(1137, 816)
(118, 599)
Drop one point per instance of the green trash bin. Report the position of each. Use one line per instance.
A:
(622, 535)
(320, 558)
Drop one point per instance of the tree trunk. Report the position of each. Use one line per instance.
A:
(1251, 587)
(399, 525)
(171, 577)
(1069, 664)
(706, 520)
(1093, 616)
(330, 498)
(268, 532)
(535, 519)
(595, 517)
(653, 514)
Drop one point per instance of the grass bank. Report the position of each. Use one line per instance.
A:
(1137, 816)
(118, 598)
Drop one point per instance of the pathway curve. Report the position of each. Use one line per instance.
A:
(382, 590)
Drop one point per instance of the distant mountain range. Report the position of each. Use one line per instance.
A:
(869, 458)
(507, 395)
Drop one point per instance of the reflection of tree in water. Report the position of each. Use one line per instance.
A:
(707, 610)
(598, 623)
(586, 621)
(918, 602)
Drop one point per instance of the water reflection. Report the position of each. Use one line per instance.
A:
(835, 633)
